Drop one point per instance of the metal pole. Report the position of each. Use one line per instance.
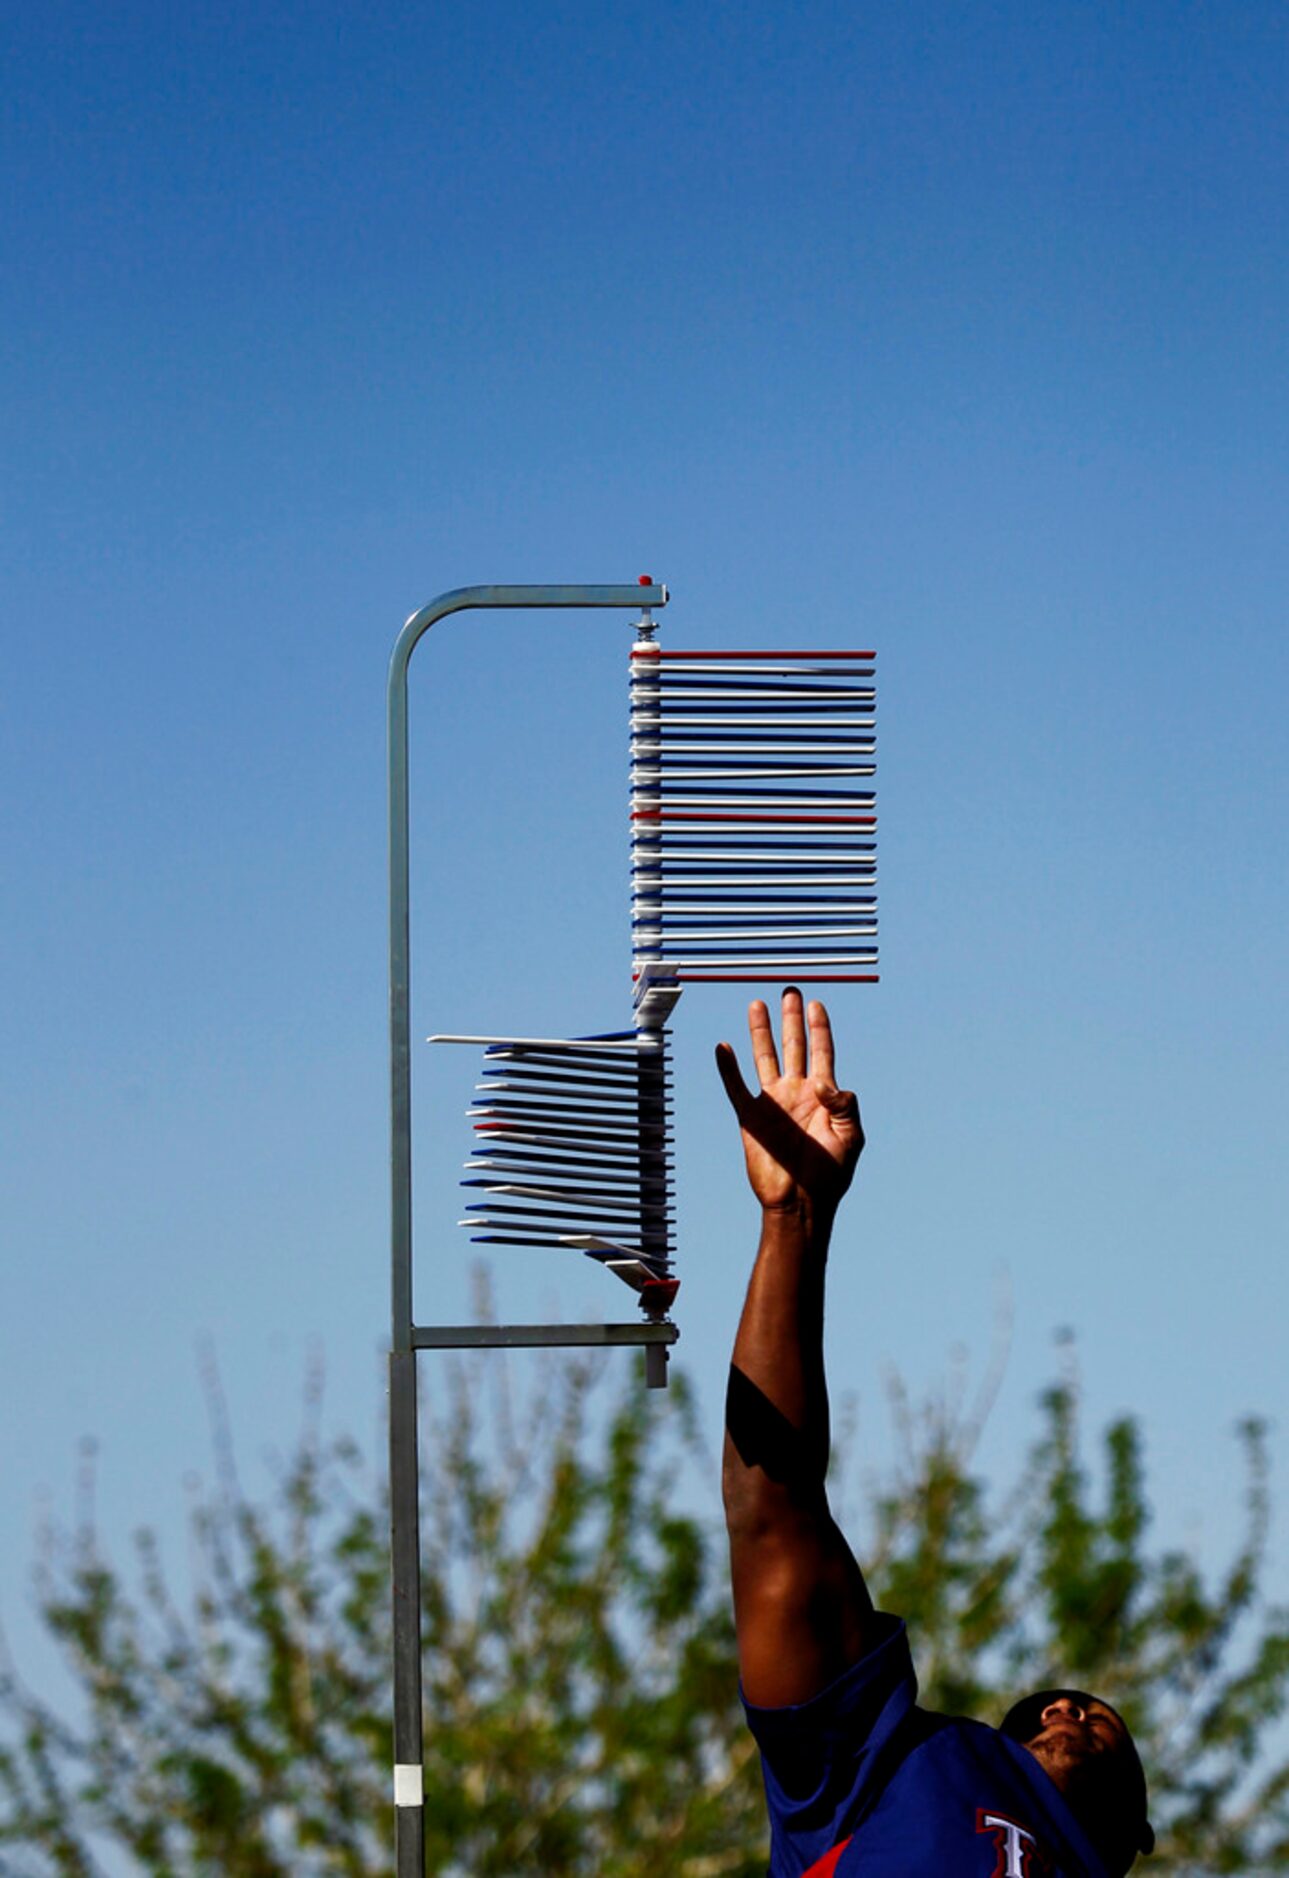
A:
(404, 1466)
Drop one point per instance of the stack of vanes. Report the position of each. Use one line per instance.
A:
(753, 858)
(574, 1149)
(753, 831)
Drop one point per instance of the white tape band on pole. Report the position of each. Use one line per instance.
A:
(409, 1784)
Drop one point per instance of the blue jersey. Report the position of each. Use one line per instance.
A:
(860, 1781)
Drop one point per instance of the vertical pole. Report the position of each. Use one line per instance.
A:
(404, 1458)
(409, 1809)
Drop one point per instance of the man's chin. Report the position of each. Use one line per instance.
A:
(1059, 1755)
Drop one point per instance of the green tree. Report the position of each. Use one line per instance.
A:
(579, 1662)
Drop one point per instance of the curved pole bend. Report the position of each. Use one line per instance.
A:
(458, 600)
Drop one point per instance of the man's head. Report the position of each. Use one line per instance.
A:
(1084, 1746)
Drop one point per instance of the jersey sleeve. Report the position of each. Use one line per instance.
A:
(825, 1761)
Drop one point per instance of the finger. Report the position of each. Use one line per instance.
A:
(821, 1053)
(741, 1097)
(764, 1054)
(794, 1033)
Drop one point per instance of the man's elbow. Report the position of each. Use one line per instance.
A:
(760, 1508)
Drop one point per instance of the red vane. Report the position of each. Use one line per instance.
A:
(724, 815)
(668, 653)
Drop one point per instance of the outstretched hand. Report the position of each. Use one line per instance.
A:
(801, 1135)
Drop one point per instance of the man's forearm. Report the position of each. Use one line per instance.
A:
(801, 1607)
(777, 1425)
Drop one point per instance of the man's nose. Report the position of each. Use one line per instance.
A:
(1064, 1705)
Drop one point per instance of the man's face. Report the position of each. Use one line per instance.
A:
(1069, 1731)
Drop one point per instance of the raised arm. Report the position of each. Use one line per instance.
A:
(801, 1607)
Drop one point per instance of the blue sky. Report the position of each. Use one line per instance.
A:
(958, 331)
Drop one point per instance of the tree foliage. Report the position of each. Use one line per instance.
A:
(580, 1680)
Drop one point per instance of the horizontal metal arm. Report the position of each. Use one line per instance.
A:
(536, 1336)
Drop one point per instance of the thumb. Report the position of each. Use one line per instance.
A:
(841, 1104)
(732, 1076)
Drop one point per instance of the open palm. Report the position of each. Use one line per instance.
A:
(801, 1135)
